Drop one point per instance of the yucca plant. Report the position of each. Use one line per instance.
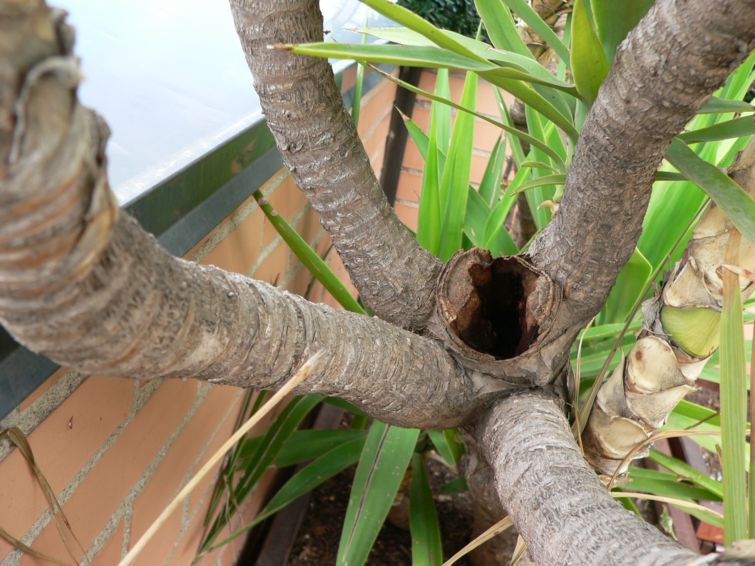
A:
(506, 398)
(454, 214)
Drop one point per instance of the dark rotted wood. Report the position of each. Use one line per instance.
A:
(395, 143)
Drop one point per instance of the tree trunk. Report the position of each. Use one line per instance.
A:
(558, 504)
(320, 146)
(82, 283)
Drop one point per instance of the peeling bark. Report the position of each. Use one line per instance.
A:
(664, 72)
(320, 146)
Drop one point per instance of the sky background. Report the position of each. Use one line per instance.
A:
(170, 79)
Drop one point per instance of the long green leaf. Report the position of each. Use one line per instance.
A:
(539, 165)
(601, 332)
(407, 55)
(455, 180)
(711, 442)
(615, 18)
(429, 215)
(530, 17)
(725, 192)
(666, 486)
(313, 443)
(476, 218)
(684, 470)
(446, 101)
(442, 115)
(541, 188)
(446, 445)
(356, 106)
(429, 219)
(302, 482)
(588, 61)
(736, 128)
(554, 139)
(416, 23)
(423, 518)
(501, 210)
(419, 137)
(533, 70)
(501, 244)
(491, 179)
(273, 441)
(532, 98)
(309, 257)
(544, 181)
(672, 206)
(478, 213)
(501, 26)
(733, 411)
(517, 153)
(716, 105)
(509, 79)
(429, 226)
(301, 446)
(697, 412)
(669, 176)
(335, 460)
(256, 464)
(382, 465)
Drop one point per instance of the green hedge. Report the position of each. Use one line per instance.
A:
(455, 15)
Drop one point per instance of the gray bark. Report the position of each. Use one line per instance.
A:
(320, 146)
(82, 283)
(556, 501)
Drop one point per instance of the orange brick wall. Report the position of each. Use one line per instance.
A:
(116, 451)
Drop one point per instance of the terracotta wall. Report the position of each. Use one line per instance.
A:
(116, 451)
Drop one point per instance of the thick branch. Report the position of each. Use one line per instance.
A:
(83, 284)
(663, 73)
(558, 505)
(320, 146)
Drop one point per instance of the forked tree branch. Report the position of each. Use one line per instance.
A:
(664, 72)
(82, 283)
(320, 146)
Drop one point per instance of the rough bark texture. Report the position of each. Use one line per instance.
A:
(664, 71)
(319, 144)
(80, 282)
(557, 502)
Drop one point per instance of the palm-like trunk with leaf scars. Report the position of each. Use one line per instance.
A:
(82, 283)
(680, 334)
